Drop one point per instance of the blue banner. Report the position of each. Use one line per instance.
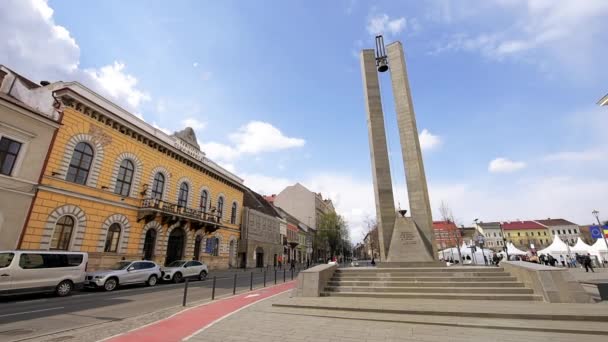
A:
(596, 232)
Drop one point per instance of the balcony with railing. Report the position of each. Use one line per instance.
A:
(171, 213)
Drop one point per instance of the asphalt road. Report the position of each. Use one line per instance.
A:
(25, 317)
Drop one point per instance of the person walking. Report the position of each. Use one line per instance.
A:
(561, 259)
(587, 263)
(293, 265)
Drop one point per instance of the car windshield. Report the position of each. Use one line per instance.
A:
(120, 265)
(177, 263)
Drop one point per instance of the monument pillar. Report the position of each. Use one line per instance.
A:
(381, 172)
(415, 177)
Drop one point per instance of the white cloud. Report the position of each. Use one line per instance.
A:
(117, 84)
(578, 156)
(257, 136)
(541, 32)
(505, 165)
(251, 139)
(32, 44)
(382, 24)
(428, 141)
(196, 124)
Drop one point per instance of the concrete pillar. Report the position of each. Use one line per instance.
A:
(381, 172)
(418, 194)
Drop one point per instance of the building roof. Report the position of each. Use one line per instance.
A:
(514, 225)
(290, 218)
(555, 222)
(270, 198)
(488, 225)
(444, 225)
(255, 201)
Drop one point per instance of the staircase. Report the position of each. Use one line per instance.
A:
(464, 283)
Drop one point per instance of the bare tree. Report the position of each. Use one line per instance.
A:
(446, 212)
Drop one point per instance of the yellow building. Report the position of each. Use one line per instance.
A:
(527, 234)
(116, 187)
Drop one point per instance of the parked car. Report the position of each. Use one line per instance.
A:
(123, 273)
(180, 269)
(41, 271)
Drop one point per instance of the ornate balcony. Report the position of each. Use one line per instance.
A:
(171, 213)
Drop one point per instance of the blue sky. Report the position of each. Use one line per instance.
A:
(504, 90)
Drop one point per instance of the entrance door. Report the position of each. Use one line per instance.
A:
(259, 257)
(175, 246)
(149, 244)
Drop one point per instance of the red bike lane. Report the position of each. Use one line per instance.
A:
(193, 320)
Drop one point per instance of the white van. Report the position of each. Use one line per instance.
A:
(41, 271)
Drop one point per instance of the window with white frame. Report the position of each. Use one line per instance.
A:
(9, 151)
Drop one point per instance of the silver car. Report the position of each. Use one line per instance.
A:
(123, 273)
(180, 269)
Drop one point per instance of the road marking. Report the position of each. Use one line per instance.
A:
(252, 295)
(33, 311)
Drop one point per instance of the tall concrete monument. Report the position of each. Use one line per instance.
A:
(403, 239)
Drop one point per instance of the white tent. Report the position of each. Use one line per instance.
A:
(512, 250)
(556, 249)
(581, 247)
(599, 249)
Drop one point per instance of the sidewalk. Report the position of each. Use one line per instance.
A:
(191, 321)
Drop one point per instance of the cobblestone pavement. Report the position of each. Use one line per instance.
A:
(262, 322)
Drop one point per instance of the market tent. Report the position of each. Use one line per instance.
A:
(512, 250)
(557, 248)
(581, 247)
(599, 249)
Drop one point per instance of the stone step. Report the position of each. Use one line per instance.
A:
(425, 278)
(446, 290)
(422, 269)
(427, 274)
(448, 283)
(514, 323)
(467, 296)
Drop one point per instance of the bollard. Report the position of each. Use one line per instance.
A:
(213, 290)
(264, 278)
(185, 292)
(284, 272)
(234, 285)
(251, 282)
(292, 274)
(275, 276)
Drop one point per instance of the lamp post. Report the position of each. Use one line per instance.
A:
(504, 240)
(597, 217)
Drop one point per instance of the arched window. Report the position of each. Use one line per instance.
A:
(220, 207)
(182, 199)
(197, 247)
(78, 171)
(213, 246)
(158, 186)
(124, 178)
(204, 197)
(63, 233)
(233, 214)
(112, 238)
(149, 244)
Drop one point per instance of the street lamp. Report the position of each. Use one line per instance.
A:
(504, 240)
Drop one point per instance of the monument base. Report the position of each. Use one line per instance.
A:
(408, 245)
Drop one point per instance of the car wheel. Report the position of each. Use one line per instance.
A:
(177, 277)
(152, 280)
(110, 284)
(64, 288)
(202, 275)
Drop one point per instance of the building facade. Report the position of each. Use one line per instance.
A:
(446, 234)
(566, 230)
(527, 235)
(116, 187)
(25, 136)
(260, 244)
(492, 234)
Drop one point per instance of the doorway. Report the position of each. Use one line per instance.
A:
(259, 257)
(175, 245)
(149, 244)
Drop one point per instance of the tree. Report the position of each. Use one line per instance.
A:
(446, 212)
(333, 233)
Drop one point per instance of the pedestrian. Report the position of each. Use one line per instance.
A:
(542, 260)
(561, 259)
(495, 260)
(307, 263)
(293, 265)
(587, 263)
(373, 261)
(485, 260)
